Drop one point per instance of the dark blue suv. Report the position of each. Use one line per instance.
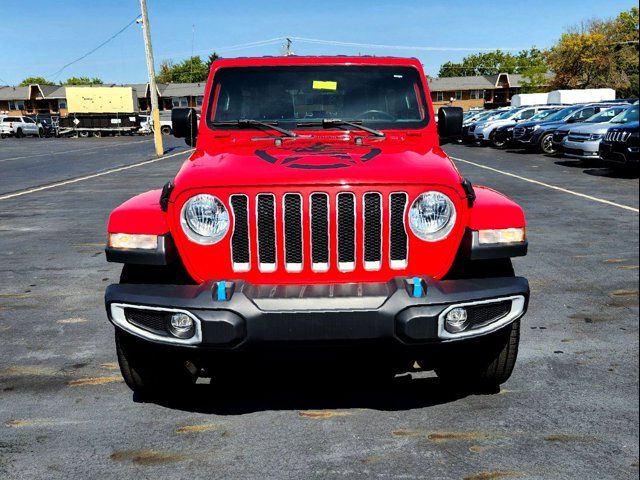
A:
(539, 135)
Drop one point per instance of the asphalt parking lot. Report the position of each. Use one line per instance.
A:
(569, 411)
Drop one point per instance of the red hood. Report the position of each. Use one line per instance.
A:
(323, 160)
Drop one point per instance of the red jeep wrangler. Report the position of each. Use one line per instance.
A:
(317, 210)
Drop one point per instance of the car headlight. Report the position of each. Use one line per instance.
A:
(595, 136)
(432, 216)
(204, 219)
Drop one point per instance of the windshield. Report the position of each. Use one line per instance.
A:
(630, 115)
(505, 115)
(379, 96)
(605, 115)
(541, 115)
(561, 114)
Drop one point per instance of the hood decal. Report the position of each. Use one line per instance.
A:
(318, 156)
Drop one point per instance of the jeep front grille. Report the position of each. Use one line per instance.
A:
(313, 226)
(617, 136)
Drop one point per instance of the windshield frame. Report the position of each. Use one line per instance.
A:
(294, 124)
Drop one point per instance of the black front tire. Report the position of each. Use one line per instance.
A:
(482, 364)
(497, 143)
(19, 133)
(148, 371)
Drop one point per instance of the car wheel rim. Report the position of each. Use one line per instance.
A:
(547, 145)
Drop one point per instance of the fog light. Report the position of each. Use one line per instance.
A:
(456, 320)
(181, 325)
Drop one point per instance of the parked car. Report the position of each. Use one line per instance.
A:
(583, 140)
(19, 126)
(310, 225)
(503, 136)
(485, 129)
(560, 135)
(619, 147)
(539, 135)
(469, 127)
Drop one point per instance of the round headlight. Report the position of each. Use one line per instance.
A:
(432, 216)
(205, 219)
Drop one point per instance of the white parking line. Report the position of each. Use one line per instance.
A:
(89, 177)
(547, 185)
(72, 151)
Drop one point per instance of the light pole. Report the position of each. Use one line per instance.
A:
(155, 111)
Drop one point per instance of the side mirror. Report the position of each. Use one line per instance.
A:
(184, 124)
(450, 124)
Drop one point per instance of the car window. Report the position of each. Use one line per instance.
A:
(10, 119)
(28, 120)
(630, 115)
(605, 115)
(526, 114)
(586, 113)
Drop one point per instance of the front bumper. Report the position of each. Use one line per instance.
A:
(619, 155)
(237, 315)
(584, 150)
(528, 139)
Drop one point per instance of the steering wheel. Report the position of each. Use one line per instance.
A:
(375, 115)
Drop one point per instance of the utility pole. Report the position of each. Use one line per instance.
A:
(288, 51)
(155, 111)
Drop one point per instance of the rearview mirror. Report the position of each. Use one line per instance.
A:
(184, 123)
(450, 124)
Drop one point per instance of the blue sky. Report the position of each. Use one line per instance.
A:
(44, 37)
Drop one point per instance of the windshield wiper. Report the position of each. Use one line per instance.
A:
(248, 122)
(335, 122)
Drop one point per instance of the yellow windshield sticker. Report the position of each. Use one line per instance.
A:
(324, 85)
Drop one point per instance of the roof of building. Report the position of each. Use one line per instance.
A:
(14, 93)
(53, 91)
(480, 82)
(141, 90)
(181, 89)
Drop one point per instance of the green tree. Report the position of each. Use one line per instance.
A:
(535, 79)
(492, 63)
(599, 53)
(192, 69)
(82, 81)
(33, 80)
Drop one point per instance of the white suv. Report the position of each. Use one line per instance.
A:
(19, 126)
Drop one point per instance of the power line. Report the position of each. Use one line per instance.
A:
(400, 47)
(54, 75)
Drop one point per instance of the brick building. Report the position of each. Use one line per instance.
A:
(52, 99)
(485, 91)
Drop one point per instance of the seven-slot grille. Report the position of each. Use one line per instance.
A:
(308, 232)
(617, 136)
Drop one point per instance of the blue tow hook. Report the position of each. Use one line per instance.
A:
(417, 287)
(222, 291)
